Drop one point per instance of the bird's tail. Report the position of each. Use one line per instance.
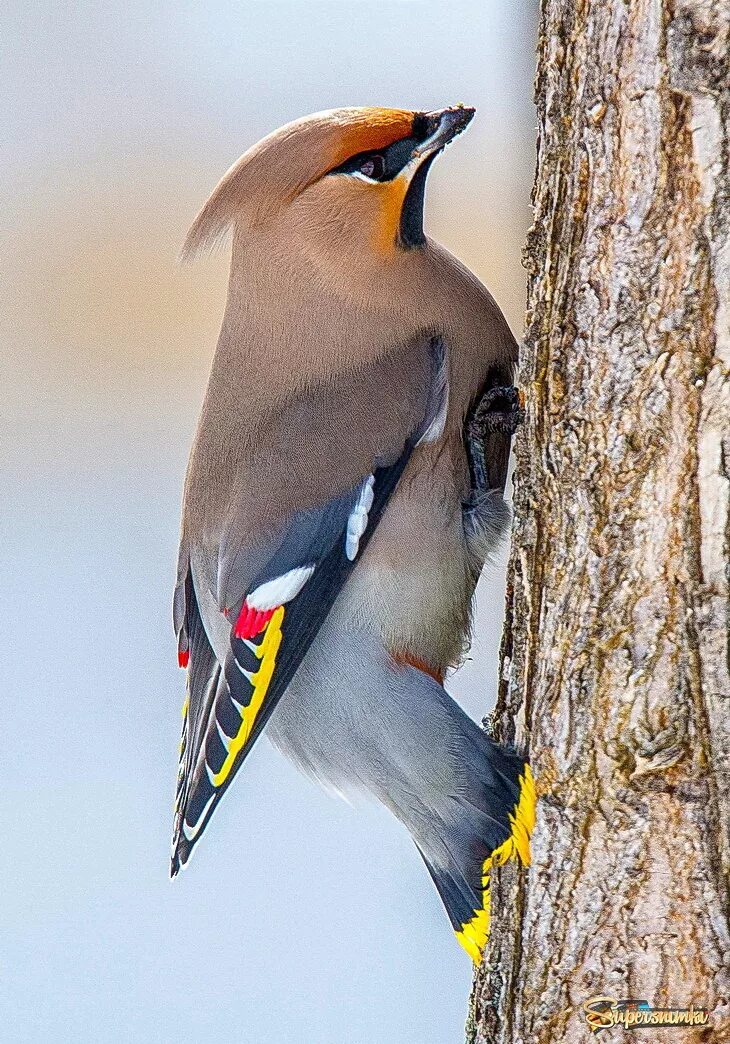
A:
(387, 726)
(471, 835)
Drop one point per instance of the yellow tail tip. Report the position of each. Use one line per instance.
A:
(474, 934)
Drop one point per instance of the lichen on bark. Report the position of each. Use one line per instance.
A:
(615, 652)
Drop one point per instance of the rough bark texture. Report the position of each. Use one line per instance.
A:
(616, 643)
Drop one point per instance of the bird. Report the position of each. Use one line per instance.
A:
(343, 492)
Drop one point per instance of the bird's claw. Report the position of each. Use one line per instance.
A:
(499, 411)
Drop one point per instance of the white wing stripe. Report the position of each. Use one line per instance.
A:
(191, 832)
(225, 739)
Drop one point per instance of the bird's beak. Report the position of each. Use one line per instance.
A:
(440, 128)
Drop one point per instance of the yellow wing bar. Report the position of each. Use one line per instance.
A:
(266, 651)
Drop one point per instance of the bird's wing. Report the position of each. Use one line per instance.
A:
(259, 601)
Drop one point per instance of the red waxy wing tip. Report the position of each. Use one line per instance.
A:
(251, 621)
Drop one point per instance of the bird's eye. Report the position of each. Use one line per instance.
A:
(373, 166)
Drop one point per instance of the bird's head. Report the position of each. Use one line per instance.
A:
(334, 183)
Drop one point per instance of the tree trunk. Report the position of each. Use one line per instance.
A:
(616, 643)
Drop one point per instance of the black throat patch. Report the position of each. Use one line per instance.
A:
(411, 219)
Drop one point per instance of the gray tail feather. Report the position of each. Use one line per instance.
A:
(471, 834)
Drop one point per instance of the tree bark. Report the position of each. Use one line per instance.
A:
(615, 652)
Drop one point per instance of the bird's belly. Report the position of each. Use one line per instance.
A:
(414, 587)
(355, 721)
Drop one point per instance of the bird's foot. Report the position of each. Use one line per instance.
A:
(499, 411)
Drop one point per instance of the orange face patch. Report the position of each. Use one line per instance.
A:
(392, 194)
(372, 129)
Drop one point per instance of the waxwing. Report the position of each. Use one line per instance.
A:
(343, 492)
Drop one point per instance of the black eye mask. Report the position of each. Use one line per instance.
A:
(380, 164)
(386, 164)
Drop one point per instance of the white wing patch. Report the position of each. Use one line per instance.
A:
(357, 523)
(279, 590)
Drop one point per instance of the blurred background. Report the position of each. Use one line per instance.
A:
(302, 919)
